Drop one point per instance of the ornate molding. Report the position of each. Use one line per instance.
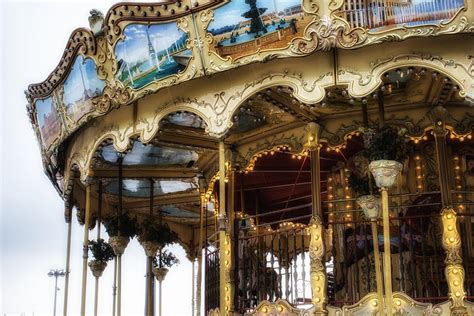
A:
(292, 140)
(279, 307)
(226, 284)
(81, 41)
(317, 266)
(451, 242)
(361, 84)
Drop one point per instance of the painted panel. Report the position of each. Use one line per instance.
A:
(80, 87)
(150, 52)
(48, 120)
(384, 15)
(242, 28)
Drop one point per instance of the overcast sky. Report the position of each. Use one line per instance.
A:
(33, 36)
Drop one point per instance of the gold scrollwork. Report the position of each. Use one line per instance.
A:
(317, 268)
(454, 270)
(81, 40)
(279, 307)
(226, 287)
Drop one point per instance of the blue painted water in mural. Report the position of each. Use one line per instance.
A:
(151, 52)
(246, 37)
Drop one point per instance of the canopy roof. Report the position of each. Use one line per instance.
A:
(160, 84)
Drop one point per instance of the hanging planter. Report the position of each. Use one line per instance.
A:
(101, 252)
(151, 248)
(97, 267)
(362, 188)
(160, 273)
(385, 172)
(154, 236)
(161, 264)
(387, 149)
(121, 228)
(119, 244)
(370, 204)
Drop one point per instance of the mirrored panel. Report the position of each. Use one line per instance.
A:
(151, 155)
(141, 188)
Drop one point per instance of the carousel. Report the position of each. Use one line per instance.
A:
(311, 157)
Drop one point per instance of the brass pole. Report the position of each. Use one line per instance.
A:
(225, 296)
(119, 285)
(160, 299)
(68, 259)
(192, 289)
(451, 240)
(378, 271)
(387, 264)
(114, 289)
(85, 249)
(149, 297)
(317, 265)
(119, 257)
(199, 256)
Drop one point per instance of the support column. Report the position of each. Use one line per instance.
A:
(119, 257)
(68, 255)
(192, 287)
(114, 289)
(99, 220)
(199, 254)
(317, 230)
(85, 249)
(451, 242)
(226, 290)
(387, 259)
(150, 280)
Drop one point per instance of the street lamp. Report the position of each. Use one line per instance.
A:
(56, 273)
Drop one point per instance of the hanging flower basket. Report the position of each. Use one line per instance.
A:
(160, 273)
(151, 248)
(385, 172)
(119, 243)
(101, 253)
(154, 236)
(370, 204)
(97, 267)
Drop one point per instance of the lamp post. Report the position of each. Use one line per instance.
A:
(56, 273)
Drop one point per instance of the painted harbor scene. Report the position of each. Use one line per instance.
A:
(243, 27)
(151, 52)
(80, 87)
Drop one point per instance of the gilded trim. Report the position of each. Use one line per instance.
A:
(454, 270)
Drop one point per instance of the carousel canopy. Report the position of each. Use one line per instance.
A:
(160, 84)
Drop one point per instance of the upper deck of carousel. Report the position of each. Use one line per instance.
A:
(183, 69)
